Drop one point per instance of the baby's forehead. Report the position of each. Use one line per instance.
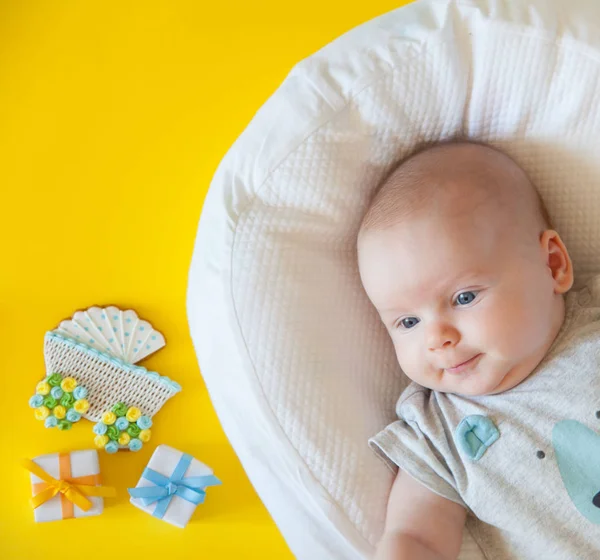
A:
(447, 237)
(460, 221)
(426, 244)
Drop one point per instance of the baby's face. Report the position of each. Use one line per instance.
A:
(470, 306)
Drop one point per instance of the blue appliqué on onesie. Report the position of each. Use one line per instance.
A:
(577, 450)
(475, 434)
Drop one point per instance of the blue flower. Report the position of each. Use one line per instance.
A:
(111, 447)
(122, 423)
(56, 392)
(73, 415)
(36, 401)
(144, 422)
(80, 393)
(51, 422)
(135, 444)
(100, 429)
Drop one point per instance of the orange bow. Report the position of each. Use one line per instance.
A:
(72, 490)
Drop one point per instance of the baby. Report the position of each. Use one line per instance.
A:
(457, 254)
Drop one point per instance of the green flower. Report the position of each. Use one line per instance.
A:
(120, 409)
(64, 425)
(54, 380)
(67, 400)
(133, 430)
(113, 432)
(50, 401)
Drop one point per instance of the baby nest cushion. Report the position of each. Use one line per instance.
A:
(297, 364)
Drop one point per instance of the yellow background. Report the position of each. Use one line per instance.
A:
(113, 118)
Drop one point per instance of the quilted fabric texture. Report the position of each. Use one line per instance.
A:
(298, 367)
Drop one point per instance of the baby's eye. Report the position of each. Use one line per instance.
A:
(409, 322)
(465, 298)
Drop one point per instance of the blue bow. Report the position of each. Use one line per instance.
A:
(190, 488)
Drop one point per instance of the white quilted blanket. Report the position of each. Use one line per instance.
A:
(298, 368)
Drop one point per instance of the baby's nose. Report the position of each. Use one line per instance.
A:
(442, 337)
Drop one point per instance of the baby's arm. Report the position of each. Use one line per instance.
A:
(420, 524)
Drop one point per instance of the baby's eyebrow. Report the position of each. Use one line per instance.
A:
(392, 310)
(463, 282)
(386, 309)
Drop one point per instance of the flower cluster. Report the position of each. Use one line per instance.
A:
(59, 401)
(122, 427)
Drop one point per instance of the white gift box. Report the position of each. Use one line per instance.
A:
(174, 484)
(77, 467)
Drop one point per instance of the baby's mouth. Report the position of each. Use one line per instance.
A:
(464, 366)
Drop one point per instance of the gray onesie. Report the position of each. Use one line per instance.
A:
(526, 462)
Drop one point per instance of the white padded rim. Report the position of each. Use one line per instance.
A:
(298, 368)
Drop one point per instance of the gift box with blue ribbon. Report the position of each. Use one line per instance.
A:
(172, 485)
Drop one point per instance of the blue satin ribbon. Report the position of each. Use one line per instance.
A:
(190, 488)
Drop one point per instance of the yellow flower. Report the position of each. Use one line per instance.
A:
(59, 412)
(68, 384)
(145, 436)
(81, 406)
(101, 441)
(41, 413)
(109, 418)
(124, 438)
(133, 414)
(42, 388)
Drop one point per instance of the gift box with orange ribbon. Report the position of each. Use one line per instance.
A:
(66, 485)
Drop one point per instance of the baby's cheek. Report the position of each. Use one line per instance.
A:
(410, 360)
(514, 328)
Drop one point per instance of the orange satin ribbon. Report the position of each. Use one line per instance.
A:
(72, 490)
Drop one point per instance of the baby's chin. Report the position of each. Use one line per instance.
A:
(477, 382)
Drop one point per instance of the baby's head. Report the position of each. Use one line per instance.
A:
(457, 255)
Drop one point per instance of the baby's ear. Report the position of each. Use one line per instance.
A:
(557, 260)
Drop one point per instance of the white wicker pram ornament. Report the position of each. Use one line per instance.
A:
(98, 347)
